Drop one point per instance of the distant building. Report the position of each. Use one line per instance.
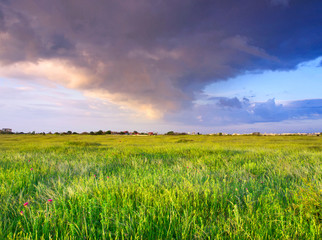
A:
(7, 130)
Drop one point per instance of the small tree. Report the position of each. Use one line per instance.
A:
(100, 132)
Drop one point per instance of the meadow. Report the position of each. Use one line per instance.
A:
(160, 187)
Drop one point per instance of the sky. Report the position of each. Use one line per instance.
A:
(165, 65)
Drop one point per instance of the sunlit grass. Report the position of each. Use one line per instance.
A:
(160, 187)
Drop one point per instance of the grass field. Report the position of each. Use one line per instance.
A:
(160, 187)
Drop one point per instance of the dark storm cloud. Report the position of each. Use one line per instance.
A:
(160, 53)
(280, 2)
(1, 21)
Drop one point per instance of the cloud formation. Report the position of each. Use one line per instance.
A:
(223, 111)
(154, 56)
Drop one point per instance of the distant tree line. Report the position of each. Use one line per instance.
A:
(99, 132)
(177, 133)
(5, 132)
(171, 133)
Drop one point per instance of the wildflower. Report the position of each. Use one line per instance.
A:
(26, 204)
(94, 175)
(108, 177)
(50, 200)
(21, 213)
(31, 169)
(29, 160)
(261, 182)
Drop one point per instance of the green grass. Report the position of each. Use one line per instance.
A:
(160, 187)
